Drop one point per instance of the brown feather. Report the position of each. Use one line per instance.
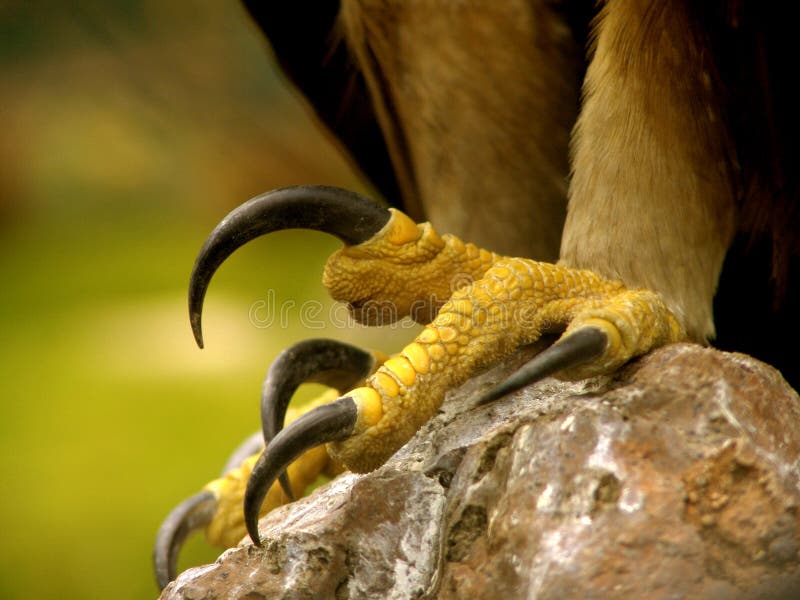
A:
(682, 150)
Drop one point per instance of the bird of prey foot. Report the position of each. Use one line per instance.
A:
(478, 307)
(218, 507)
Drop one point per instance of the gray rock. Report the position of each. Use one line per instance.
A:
(678, 477)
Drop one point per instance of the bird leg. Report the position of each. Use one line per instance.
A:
(515, 302)
(479, 307)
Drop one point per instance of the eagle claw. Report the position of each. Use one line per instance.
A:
(327, 362)
(478, 306)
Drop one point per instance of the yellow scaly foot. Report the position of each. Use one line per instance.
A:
(480, 307)
(218, 508)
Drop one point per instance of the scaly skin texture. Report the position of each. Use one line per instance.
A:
(509, 302)
(406, 269)
(227, 526)
(495, 305)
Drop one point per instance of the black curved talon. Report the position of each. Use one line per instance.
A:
(328, 362)
(327, 423)
(193, 513)
(349, 216)
(578, 348)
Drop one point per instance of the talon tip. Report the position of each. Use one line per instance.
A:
(575, 349)
(347, 215)
(326, 423)
(196, 311)
(196, 297)
(193, 513)
(198, 336)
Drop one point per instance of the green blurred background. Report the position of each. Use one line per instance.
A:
(129, 129)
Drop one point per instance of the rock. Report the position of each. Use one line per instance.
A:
(678, 477)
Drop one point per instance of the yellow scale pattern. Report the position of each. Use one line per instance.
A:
(510, 302)
(480, 307)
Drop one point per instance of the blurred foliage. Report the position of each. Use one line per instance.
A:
(129, 129)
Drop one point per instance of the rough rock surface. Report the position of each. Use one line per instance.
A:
(679, 477)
